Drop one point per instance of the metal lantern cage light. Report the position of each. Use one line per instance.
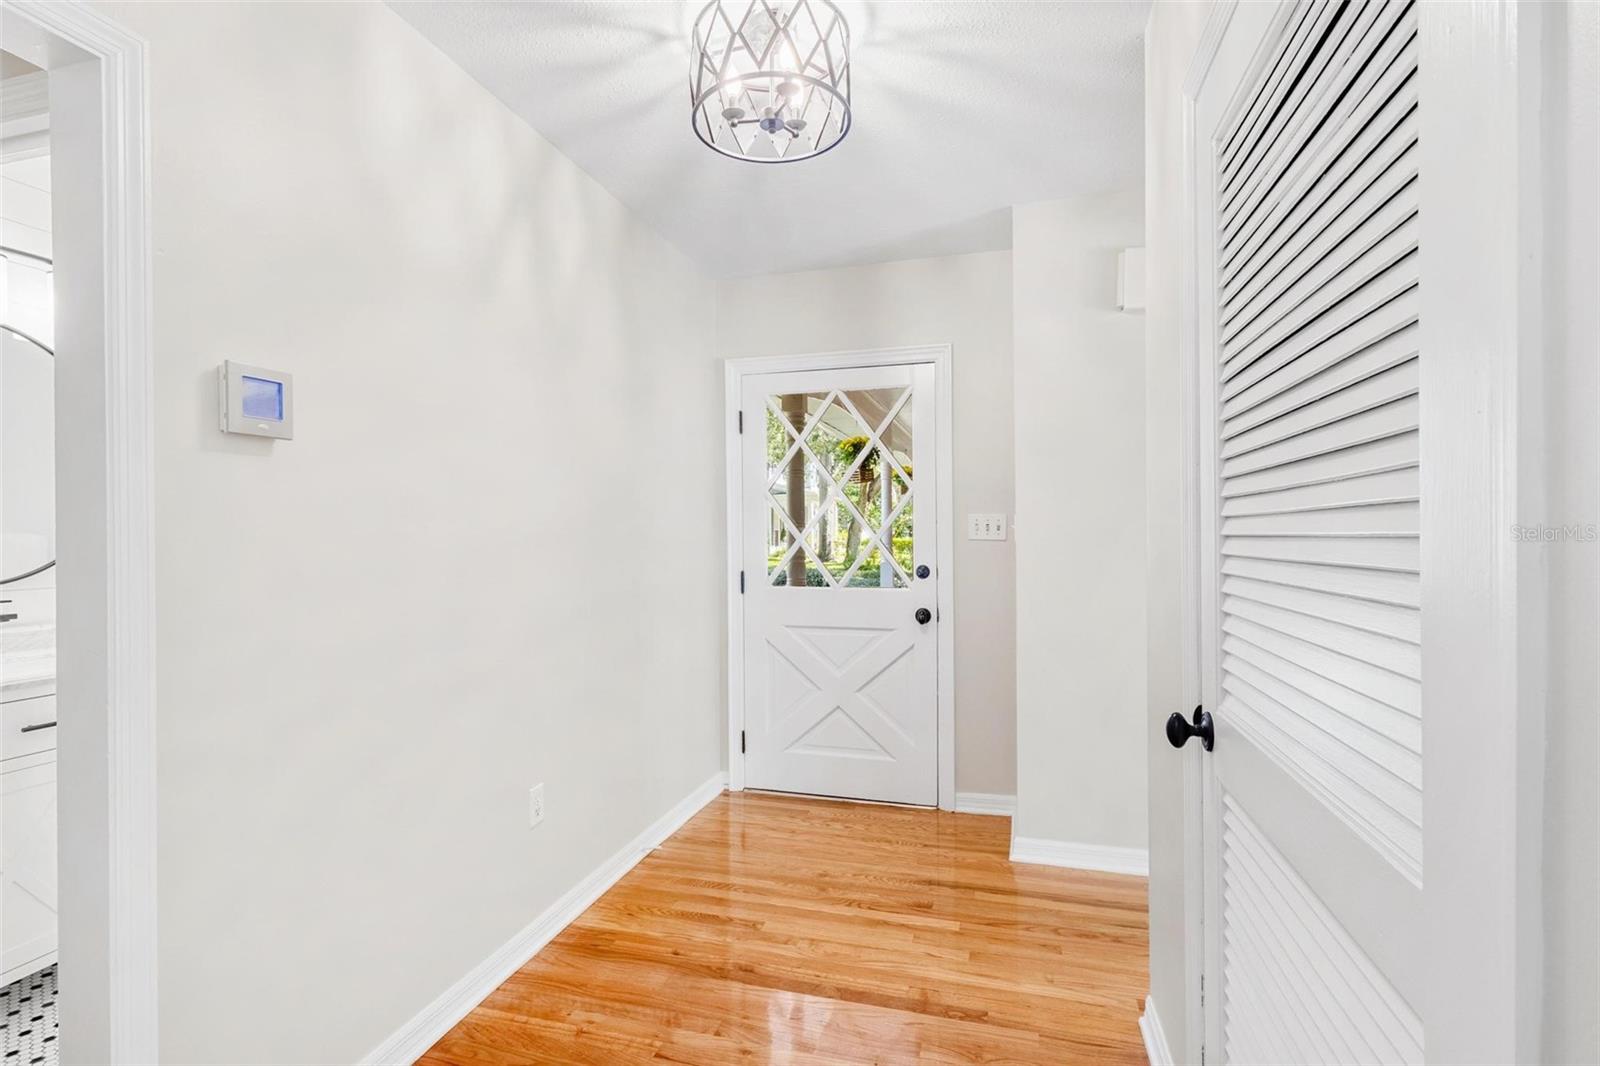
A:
(770, 79)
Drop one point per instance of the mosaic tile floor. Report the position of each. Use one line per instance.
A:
(28, 1020)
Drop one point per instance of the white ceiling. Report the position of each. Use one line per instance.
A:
(961, 109)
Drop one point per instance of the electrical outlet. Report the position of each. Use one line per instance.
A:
(535, 805)
(986, 527)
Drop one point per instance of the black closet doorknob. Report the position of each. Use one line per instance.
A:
(924, 616)
(1179, 730)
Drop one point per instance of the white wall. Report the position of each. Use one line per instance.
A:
(963, 301)
(1171, 36)
(1079, 380)
(1571, 112)
(489, 558)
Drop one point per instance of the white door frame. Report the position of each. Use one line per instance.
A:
(1483, 599)
(106, 692)
(734, 373)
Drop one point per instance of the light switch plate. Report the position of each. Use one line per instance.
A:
(986, 527)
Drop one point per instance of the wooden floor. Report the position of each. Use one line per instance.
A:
(785, 930)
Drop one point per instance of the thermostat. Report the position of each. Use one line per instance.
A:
(256, 401)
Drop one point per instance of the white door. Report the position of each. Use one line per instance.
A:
(840, 612)
(1306, 299)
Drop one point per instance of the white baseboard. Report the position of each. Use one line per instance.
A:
(437, 1018)
(985, 803)
(1100, 857)
(1155, 1038)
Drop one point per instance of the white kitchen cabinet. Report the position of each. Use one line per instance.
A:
(28, 927)
(27, 866)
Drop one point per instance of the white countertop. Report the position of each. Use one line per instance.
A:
(27, 659)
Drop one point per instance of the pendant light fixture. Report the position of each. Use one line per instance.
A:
(770, 79)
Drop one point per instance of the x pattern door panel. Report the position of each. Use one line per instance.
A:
(841, 691)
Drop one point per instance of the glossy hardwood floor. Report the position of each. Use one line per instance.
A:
(786, 930)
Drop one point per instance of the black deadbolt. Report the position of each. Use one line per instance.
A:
(923, 571)
(924, 616)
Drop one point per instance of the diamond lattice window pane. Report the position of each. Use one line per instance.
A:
(842, 531)
(828, 435)
(896, 436)
(851, 531)
(874, 405)
(833, 485)
(891, 519)
(788, 417)
(871, 572)
(792, 564)
(796, 507)
(902, 534)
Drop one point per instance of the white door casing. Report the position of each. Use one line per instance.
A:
(1305, 194)
(99, 123)
(840, 677)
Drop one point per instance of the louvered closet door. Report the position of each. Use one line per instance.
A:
(1306, 209)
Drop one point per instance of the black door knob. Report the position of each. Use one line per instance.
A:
(924, 616)
(1180, 730)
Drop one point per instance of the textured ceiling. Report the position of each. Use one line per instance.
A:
(961, 109)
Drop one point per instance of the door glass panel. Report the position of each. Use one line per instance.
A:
(796, 491)
(900, 541)
(839, 484)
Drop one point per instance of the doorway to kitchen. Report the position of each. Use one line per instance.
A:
(29, 904)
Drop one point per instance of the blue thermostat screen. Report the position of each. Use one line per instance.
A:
(262, 398)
